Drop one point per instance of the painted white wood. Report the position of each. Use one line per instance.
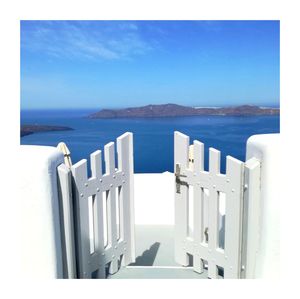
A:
(233, 222)
(96, 164)
(103, 187)
(213, 227)
(79, 172)
(91, 224)
(209, 187)
(109, 154)
(96, 170)
(181, 157)
(198, 156)
(191, 157)
(125, 165)
(251, 235)
(205, 212)
(67, 221)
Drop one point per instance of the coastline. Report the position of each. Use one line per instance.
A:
(26, 130)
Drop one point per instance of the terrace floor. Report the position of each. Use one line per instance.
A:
(155, 256)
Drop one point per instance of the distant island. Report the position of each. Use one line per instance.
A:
(30, 129)
(171, 110)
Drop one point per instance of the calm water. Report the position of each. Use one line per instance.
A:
(153, 138)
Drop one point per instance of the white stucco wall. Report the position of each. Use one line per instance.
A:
(266, 148)
(40, 230)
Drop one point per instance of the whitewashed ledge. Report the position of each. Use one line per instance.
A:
(154, 205)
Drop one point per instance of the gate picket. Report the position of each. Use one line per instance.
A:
(109, 154)
(198, 204)
(125, 165)
(96, 169)
(213, 227)
(233, 222)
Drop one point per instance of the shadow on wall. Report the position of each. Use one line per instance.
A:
(148, 256)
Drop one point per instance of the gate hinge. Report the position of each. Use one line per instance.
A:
(178, 180)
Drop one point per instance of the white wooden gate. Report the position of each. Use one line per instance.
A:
(214, 194)
(104, 212)
(216, 215)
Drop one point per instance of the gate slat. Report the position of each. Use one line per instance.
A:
(79, 172)
(198, 206)
(96, 169)
(125, 165)
(109, 153)
(213, 228)
(233, 222)
(181, 157)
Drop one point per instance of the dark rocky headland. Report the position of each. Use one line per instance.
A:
(30, 129)
(171, 110)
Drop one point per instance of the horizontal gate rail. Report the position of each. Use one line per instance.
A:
(208, 189)
(105, 203)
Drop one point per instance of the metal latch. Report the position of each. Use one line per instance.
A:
(178, 176)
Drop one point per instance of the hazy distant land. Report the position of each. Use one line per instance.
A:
(171, 110)
(30, 129)
(164, 110)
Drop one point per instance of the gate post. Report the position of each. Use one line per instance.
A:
(66, 220)
(251, 217)
(181, 159)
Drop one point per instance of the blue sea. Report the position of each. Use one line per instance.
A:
(153, 138)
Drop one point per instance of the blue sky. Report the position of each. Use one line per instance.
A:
(111, 64)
